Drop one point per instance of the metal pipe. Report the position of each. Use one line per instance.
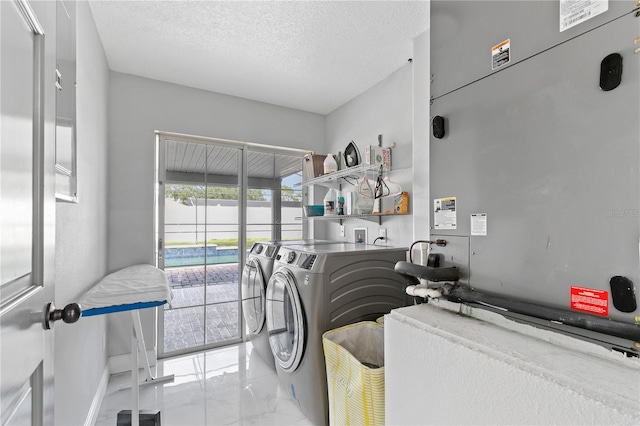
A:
(410, 272)
(601, 325)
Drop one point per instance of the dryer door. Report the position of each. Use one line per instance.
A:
(253, 295)
(285, 320)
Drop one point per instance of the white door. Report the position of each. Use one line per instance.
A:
(27, 209)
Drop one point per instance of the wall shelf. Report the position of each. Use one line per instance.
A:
(335, 180)
(371, 217)
(336, 177)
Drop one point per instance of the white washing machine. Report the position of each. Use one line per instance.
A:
(317, 288)
(255, 276)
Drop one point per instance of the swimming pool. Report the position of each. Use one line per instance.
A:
(194, 255)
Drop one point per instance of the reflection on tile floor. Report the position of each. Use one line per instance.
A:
(227, 386)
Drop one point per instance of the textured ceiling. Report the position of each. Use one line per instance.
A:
(308, 55)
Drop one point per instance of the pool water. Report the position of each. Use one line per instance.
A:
(194, 261)
(193, 256)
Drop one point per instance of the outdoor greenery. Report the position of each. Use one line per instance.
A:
(289, 194)
(182, 193)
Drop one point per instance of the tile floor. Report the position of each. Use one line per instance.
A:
(225, 386)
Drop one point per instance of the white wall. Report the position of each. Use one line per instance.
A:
(81, 235)
(384, 109)
(140, 106)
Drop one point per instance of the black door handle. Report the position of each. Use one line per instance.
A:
(69, 314)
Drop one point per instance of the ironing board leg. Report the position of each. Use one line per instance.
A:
(135, 409)
(142, 348)
(138, 349)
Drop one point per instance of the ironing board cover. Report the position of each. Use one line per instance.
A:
(134, 287)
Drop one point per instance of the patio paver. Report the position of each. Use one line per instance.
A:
(185, 326)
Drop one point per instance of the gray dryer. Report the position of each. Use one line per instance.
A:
(314, 289)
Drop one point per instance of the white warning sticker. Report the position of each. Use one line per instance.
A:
(501, 54)
(479, 224)
(444, 210)
(574, 12)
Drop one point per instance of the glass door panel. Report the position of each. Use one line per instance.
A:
(201, 235)
(222, 230)
(291, 205)
(274, 207)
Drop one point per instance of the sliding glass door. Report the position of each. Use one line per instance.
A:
(214, 199)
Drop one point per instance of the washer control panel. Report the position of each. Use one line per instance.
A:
(264, 250)
(295, 258)
(307, 261)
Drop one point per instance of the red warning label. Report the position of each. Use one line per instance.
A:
(590, 300)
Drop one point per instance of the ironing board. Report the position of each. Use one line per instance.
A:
(131, 289)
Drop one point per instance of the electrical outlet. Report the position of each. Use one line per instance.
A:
(382, 233)
(342, 230)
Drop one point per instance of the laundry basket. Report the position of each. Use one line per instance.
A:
(354, 357)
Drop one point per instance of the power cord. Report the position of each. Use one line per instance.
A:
(379, 238)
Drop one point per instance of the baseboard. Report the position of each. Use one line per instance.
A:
(94, 410)
(122, 363)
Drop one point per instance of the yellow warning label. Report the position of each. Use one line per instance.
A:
(501, 54)
(498, 46)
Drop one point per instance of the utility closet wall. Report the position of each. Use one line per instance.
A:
(140, 106)
(527, 176)
(385, 109)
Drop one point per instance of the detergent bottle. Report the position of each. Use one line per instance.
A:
(330, 203)
(330, 164)
(366, 196)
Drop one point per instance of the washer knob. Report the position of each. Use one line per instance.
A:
(259, 248)
(291, 257)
